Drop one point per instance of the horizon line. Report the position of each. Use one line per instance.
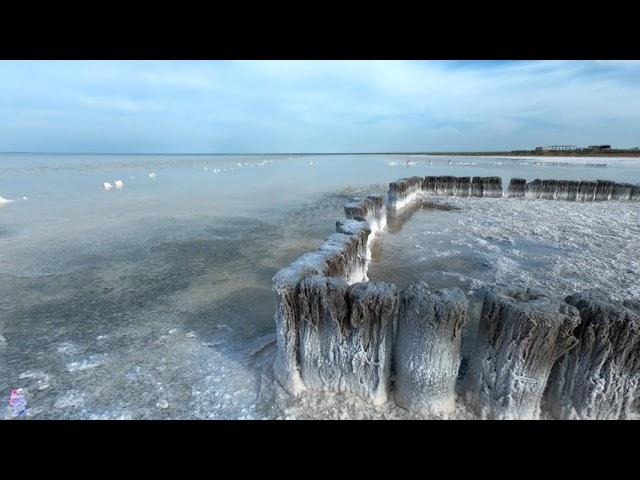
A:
(440, 152)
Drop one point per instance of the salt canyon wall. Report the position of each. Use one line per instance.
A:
(579, 357)
(572, 190)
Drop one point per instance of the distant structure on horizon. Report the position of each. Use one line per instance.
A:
(565, 148)
(556, 148)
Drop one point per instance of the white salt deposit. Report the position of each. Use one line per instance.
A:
(4, 201)
(152, 175)
(107, 186)
(119, 183)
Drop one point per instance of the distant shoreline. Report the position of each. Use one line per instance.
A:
(513, 153)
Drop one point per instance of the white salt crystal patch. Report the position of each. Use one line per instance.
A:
(68, 348)
(107, 186)
(191, 334)
(119, 183)
(25, 198)
(152, 175)
(172, 331)
(73, 398)
(5, 201)
(92, 361)
(162, 403)
(3, 341)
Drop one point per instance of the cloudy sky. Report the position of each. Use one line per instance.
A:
(315, 106)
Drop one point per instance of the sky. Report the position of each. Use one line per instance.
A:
(315, 106)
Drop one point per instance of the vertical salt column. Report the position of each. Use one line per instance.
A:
(427, 348)
(533, 189)
(599, 378)
(404, 191)
(397, 194)
(377, 212)
(476, 187)
(446, 185)
(463, 186)
(357, 209)
(492, 187)
(586, 191)
(429, 184)
(370, 209)
(622, 191)
(520, 336)
(604, 189)
(549, 189)
(346, 335)
(345, 257)
(567, 190)
(287, 318)
(516, 188)
(358, 228)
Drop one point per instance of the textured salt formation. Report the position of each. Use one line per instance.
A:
(491, 187)
(517, 187)
(520, 336)
(571, 190)
(446, 185)
(427, 348)
(285, 286)
(346, 336)
(359, 228)
(549, 189)
(599, 378)
(429, 184)
(346, 257)
(476, 187)
(370, 209)
(463, 187)
(377, 212)
(586, 191)
(567, 190)
(404, 191)
(622, 191)
(604, 189)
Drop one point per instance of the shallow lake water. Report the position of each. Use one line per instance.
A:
(154, 300)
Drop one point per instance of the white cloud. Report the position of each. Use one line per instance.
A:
(317, 106)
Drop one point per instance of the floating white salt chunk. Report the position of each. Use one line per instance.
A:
(4, 201)
(25, 198)
(162, 403)
(119, 183)
(107, 186)
(173, 330)
(152, 175)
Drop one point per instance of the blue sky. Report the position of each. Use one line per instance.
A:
(315, 106)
